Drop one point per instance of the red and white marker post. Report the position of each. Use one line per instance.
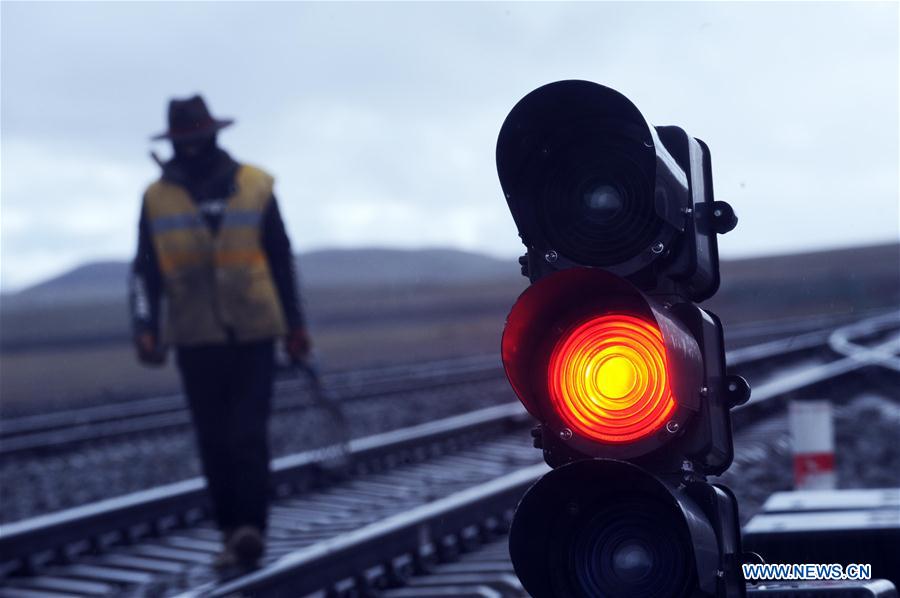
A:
(812, 435)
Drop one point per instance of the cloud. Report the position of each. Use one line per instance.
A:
(60, 209)
(379, 119)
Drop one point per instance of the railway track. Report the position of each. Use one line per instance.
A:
(410, 499)
(67, 429)
(390, 473)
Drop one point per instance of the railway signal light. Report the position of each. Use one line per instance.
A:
(606, 348)
(606, 528)
(590, 183)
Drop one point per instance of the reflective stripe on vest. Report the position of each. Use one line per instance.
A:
(217, 285)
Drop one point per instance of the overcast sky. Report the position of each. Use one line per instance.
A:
(379, 120)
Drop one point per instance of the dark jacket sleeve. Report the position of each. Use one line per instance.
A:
(145, 284)
(277, 246)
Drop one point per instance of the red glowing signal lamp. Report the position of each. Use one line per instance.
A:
(607, 379)
(600, 363)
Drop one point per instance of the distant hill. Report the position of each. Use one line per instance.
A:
(836, 280)
(880, 261)
(345, 268)
(329, 269)
(89, 282)
(386, 287)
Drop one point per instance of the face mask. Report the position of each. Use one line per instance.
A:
(197, 155)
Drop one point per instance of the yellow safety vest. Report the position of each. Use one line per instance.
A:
(215, 283)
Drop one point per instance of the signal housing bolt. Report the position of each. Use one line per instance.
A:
(565, 433)
(672, 427)
(551, 256)
(658, 248)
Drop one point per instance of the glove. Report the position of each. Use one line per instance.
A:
(149, 352)
(297, 345)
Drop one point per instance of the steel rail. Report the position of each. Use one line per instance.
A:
(361, 561)
(178, 503)
(345, 556)
(781, 327)
(189, 493)
(169, 416)
(55, 531)
(340, 382)
(64, 429)
(857, 358)
(885, 354)
(343, 382)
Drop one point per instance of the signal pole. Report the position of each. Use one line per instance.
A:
(610, 353)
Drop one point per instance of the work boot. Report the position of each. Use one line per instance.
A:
(226, 559)
(247, 545)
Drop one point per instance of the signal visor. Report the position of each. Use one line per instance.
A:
(603, 365)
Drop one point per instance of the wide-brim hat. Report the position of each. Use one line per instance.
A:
(190, 119)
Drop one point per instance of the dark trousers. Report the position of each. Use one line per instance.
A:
(229, 391)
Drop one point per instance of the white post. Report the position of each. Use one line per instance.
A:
(812, 435)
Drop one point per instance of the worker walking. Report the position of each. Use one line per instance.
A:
(213, 250)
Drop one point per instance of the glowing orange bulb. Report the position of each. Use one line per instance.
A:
(608, 381)
(616, 377)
